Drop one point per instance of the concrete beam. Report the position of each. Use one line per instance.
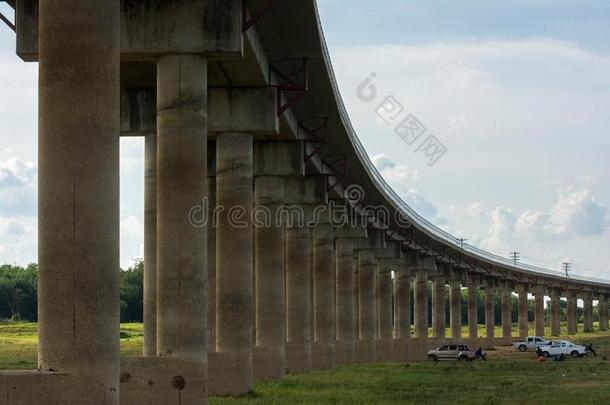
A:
(150, 28)
(278, 159)
(251, 110)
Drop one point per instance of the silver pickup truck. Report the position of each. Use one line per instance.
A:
(530, 343)
(451, 352)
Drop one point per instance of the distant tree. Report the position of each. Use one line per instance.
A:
(132, 292)
(18, 292)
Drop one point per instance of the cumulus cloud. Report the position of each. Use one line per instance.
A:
(577, 212)
(15, 228)
(17, 188)
(402, 180)
(501, 229)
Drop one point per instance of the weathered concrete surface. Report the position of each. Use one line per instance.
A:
(539, 311)
(78, 210)
(325, 320)
(473, 321)
(346, 322)
(489, 311)
(298, 300)
(438, 307)
(36, 387)
(251, 110)
(383, 351)
(269, 359)
(455, 299)
(602, 310)
(232, 362)
(571, 312)
(150, 245)
(162, 380)
(587, 300)
(507, 309)
(421, 304)
(522, 309)
(402, 313)
(181, 186)
(365, 346)
(555, 321)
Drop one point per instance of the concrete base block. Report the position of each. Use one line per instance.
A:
(323, 355)
(229, 374)
(35, 388)
(365, 351)
(401, 350)
(384, 351)
(298, 357)
(269, 363)
(345, 354)
(162, 381)
(419, 349)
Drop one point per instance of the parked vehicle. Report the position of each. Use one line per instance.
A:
(559, 347)
(452, 352)
(530, 343)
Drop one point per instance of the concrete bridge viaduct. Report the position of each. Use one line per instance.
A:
(272, 245)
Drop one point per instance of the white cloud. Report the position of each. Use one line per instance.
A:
(15, 173)
(14, 228)
(577, 212)
(18, 188)
(475, 211)
(501, 230)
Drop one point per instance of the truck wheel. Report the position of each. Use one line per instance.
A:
(432, 357)
(546, 354)
(522, 348)
(575, 354)
(463, 357)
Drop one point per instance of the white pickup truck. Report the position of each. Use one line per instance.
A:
(530, 343)
(559, 347)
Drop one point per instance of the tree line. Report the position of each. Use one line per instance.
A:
(19, 286)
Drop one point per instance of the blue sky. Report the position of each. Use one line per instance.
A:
(517, 91)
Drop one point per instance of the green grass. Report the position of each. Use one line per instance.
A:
(19, 341)
(507, 377)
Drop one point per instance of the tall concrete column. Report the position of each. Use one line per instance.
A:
(587, 312)
(455, 298)
(438, 307)
(325, 333)
(182, 246)
(555, 322)
(473, 309)
(346, 322)
(507, 309)
(269, 357)
(78, 211)
(234, 263)
(150, 245)
(571, 312)
(402, 303)
(384, 304)
(421, 304)
(522, 309)
(539, 312)
(298, 302)
(603, 312)
(489, 311)
(367, 319)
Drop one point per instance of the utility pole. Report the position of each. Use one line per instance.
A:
(567, 266)
(462, 240)
(515, 256)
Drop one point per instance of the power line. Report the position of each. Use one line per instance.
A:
(567, 266)
(515, 256)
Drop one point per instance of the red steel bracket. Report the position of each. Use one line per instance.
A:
(341, 173)
(316, 136)
(290, 84)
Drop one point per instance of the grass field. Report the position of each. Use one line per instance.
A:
(508, 377)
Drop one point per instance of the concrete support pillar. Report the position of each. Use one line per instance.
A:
(421, 304)
(489, 311)
(367, 319)
(507, 321)
(346, 322)
(269, 358)
(182, 246)
(455, 298)
(234, 264)
(539, 313)
(384, 304)
(602, 310)
(298, 300)
(571, 312)
(150, 245)
(587, 312)
(325, 335)
(555, 322)
(402, 303)
(78, 215)
(438, 307)
(473, 318)
(522, 310)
